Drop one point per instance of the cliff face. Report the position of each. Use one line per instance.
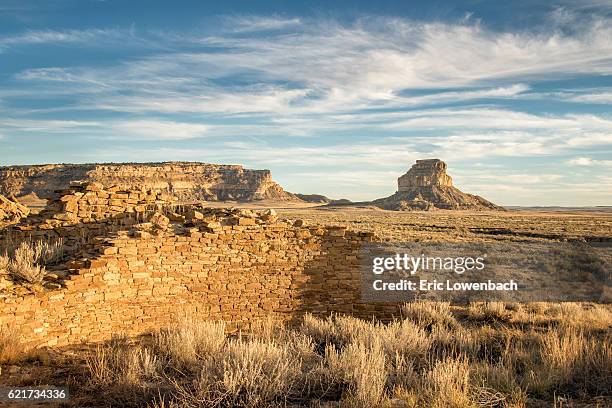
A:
(425, 173)
(426, 186)
(185, 180)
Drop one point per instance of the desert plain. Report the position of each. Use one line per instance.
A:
(505, 354)
(131, 296)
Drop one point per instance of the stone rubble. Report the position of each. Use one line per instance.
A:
(11, 211)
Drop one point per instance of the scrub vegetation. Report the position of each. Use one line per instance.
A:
(491, 354)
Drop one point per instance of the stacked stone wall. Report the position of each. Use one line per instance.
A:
(83, 214)
(239, 266)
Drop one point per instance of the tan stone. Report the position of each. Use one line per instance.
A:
(427, 186)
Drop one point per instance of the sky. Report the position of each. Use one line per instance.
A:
(334, 97)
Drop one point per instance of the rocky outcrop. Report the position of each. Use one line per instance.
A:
(314, 198)
(184, 180)
(426, 186)
(425, 173)
(11, 211)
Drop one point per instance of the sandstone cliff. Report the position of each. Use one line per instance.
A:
(427, 186)
(185, 180)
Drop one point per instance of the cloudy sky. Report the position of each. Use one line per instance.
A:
(335, 99)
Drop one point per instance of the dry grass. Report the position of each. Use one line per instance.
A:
(11, 349)
(428, 314)
(362, 369)
(119, 363)
(23, 266)
(455, 226)
(27, 262)
(246, 373)
(574, 361)
(432, 357)
(447, 384)
(186, 342)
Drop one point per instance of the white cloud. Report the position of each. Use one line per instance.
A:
(128, 129)
(376, 80)
(588, 162)
(46, 126)
(323, 67)
(245, 24)
(493, 118)
(598, 97)
(458, 96)
(156, 129)
(92, 37)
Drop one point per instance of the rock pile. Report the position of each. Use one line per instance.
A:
(85, 213)
(11, 211)
(92, 202)
(427, 186)
(198, 218)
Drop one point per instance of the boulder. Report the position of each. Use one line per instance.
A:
(159, 221)
(11, 210)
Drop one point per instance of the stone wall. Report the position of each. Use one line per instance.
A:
(234, 265)
(83, 213)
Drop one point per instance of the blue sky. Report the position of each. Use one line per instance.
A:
(337, 98)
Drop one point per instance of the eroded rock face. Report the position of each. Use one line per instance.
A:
(425, 173)
(185, 180)
(426, 186)
(12, 211)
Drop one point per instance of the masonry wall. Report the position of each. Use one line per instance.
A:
(79, 216)
(238, 273)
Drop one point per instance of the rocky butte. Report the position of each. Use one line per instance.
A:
(185, 180)
(427, 186)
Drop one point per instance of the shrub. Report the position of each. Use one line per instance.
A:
(363, 369)
(488, 311)
(247, 373)
(448, 384)
(186, 342)
(29, 260)
(10, 344)
(119, 363)
(428, 313)
(4, 263)
(23, 266)
(571, 360)
(427, 360)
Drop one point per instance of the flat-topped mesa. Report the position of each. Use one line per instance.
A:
(430, 172)
(426, 186)
(185, 180)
